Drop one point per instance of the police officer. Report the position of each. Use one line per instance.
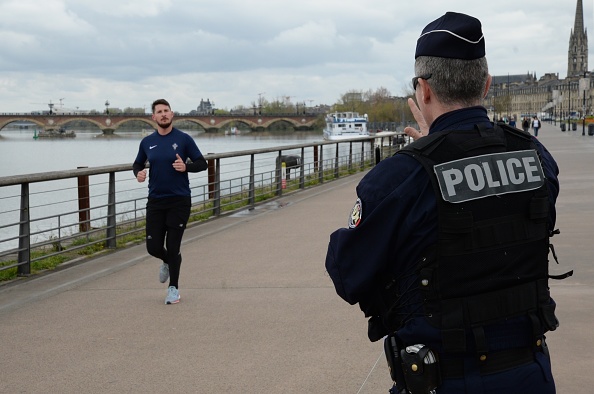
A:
(446, 250)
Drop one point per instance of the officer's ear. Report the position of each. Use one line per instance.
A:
(425, 90)
(487, 85)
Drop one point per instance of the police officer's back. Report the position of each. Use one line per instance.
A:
(446, 251)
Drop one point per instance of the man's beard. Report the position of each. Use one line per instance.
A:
(164, 125)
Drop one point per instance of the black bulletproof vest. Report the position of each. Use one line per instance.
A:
(491, 259)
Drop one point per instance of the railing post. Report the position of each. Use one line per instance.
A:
(336, 170)
(378, 155)
(84, 214)
(252, 186)
(217, 188)
(302, 168)
(350, 156)
(111, 213)
(321, 165)
(362, 155)
(211, 178)
(278, 174)
(24, 255)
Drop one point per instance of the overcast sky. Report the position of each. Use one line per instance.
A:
(131, 52)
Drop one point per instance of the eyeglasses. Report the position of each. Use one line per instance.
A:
(415, 80)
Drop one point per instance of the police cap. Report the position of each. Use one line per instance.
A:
(454, 35)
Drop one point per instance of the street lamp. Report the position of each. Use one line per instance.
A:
(569, 112)
(584, 84)
(561, 116)
(107, 107)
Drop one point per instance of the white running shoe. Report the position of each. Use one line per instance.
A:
(172, 296)
(164, 273)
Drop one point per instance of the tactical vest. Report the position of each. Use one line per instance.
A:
(491, 259)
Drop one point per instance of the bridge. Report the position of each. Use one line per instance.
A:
(109, 123)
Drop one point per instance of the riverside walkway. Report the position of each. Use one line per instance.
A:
(258, 313)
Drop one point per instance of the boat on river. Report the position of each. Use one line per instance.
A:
(60, 133)
(345, 125)
(232, 131)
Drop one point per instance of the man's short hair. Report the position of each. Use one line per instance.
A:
(455, 81)
(160, 102)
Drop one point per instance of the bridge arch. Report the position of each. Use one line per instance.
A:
(298, 124)
(235, 121)
(210, 123)
(205, 126)
(5, 123)
(64, 122)
(150, 123)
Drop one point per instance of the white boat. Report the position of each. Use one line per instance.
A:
(345, 125)
(232, 131)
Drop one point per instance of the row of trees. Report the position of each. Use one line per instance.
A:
(379, 105)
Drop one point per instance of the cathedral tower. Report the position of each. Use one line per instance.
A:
(577, 57)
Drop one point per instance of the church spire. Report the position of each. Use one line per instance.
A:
(577, 55)
(579, 17)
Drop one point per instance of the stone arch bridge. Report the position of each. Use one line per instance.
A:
(210, 123)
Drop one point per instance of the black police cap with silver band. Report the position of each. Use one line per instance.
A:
(454, 35)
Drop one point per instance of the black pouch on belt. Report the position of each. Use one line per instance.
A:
(421, 369)
(392, 352)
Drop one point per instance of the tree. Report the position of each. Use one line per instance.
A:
(379, 105)
(502, 104)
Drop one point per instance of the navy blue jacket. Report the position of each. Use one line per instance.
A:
(399, 221)
(396, 221)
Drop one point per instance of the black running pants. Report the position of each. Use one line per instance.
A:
(166, 220)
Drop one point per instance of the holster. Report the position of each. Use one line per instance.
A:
(421, 369)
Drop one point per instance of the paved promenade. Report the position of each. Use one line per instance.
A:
(258, 313)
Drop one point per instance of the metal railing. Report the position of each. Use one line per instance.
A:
(68, 214)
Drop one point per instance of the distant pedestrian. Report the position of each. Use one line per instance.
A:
(526, 124)
(512, 121)
(169, 203)
(535, 125)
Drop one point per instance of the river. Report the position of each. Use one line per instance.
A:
(21, 154)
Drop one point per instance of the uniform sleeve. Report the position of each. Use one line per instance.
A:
(395, 209)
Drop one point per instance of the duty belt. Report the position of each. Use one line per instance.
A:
(493, 362)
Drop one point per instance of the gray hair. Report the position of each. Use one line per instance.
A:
(455, 81)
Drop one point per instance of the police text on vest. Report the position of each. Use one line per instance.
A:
(488, 175)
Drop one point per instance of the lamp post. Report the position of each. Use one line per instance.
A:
(561, 123)
(584, 114)
(569, 112)
(584, 84)
(107, 107)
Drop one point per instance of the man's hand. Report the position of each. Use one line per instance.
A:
(141, 176)
(179, 164)
(411, 131)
